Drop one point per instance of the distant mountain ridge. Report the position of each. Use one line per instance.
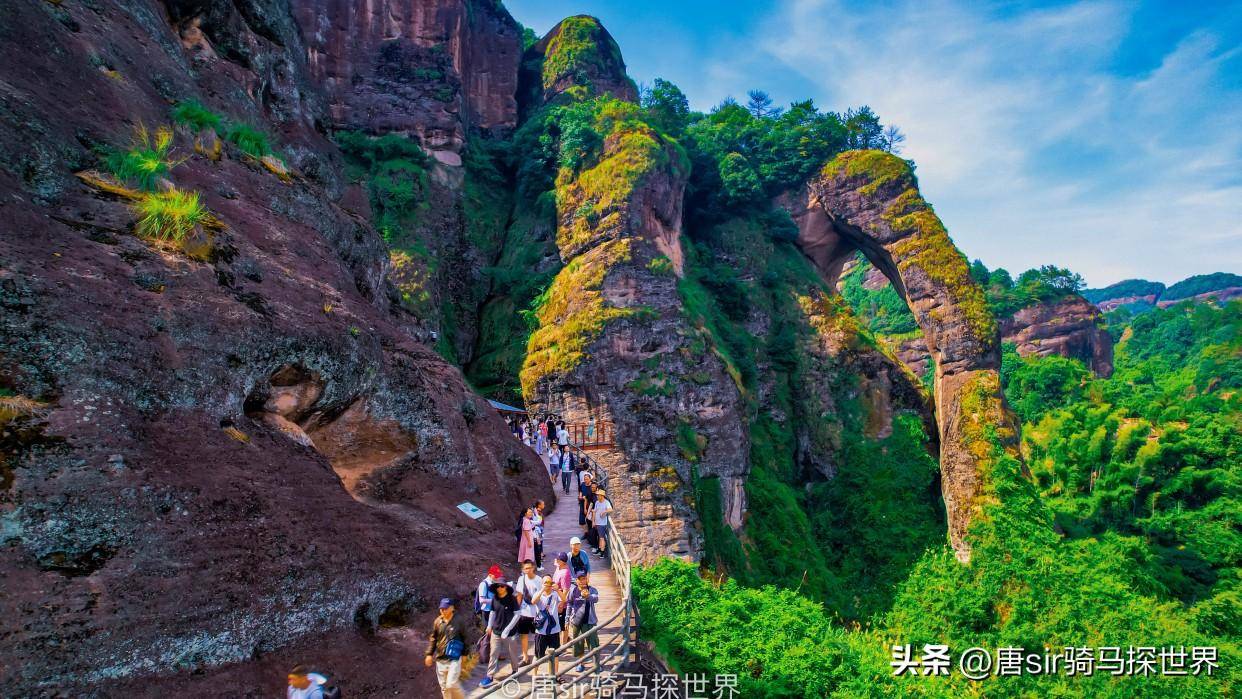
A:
(1220, 285)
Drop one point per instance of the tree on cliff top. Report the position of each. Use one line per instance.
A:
(666, 105)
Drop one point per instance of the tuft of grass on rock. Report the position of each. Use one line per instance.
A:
(192, 114)
(249, 140)
(169, 216)
(147, 159)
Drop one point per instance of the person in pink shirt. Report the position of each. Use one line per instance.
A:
(526, 546)
(564, 580)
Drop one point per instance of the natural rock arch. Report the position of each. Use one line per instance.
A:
(869, 201)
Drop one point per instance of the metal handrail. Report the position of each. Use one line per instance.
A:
(619, 563)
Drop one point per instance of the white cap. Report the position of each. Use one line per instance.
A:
(575, 540)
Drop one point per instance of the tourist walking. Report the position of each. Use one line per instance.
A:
(527, 588)
(541, 437)
(537, 532)
(586, 496)
(562, 435)
(483, 593)
(554, 462)
(304, 684)
(580, 612)
(502, 632)
(550, 602)
(564, 579)
(601, 517)
(445, 648)
(567, 471)
(526, 536)
(579, 561)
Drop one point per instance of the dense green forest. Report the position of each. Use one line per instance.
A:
(1133, 538)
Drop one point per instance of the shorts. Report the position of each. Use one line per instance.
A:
(602, 530)
(546, 643)
(525, 625)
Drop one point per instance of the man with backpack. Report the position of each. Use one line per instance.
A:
(502, 632)
(445, 647)
(580, 613)
(483, 594)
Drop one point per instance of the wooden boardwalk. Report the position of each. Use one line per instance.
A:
(558, 528)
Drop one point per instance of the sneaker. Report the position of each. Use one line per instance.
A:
(487, 682)
(581, 668)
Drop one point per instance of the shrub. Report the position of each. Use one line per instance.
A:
(249, 140)
(147, 159)
(169, 216)
(193, 114)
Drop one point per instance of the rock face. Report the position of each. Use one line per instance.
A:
(434, 69)
(613, 344)
(237, 463)
(1112, 304)
(1071, 327)
(869, 201)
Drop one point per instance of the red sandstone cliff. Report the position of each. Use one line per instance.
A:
(1071, 327)
(239, 460)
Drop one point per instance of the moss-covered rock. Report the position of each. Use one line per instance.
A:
(577, 59)
(869, 200)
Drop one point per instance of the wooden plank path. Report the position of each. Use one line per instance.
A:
(558, 528)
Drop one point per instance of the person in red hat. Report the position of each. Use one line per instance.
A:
(484, 594)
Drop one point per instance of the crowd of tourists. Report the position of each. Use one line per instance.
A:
(515, 622)
(527, 616)
(548, 436)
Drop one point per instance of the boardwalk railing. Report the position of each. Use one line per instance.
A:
(590, 434)
(614, 645)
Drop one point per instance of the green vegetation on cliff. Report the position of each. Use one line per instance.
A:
(1137, 472)
(808, 420)
(573, 312)
(887, 314)
(393, 171)
(580, 47)
(743, 156)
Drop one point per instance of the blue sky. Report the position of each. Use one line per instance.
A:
(1103, 136)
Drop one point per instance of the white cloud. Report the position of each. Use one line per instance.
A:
(1029, 144)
